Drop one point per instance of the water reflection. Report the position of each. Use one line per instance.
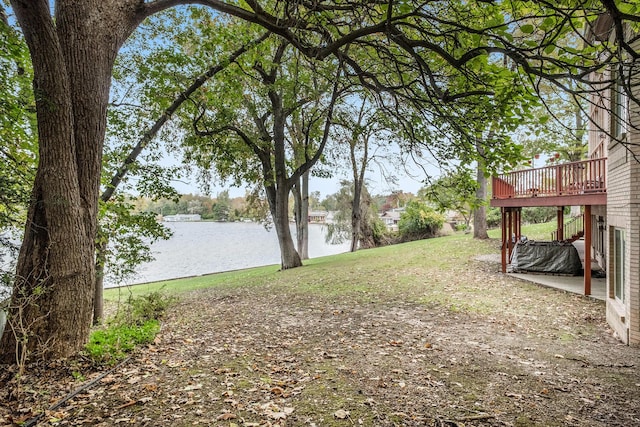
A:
(198, 248)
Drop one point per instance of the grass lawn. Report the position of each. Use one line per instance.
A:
(425, 333)
(362, 267)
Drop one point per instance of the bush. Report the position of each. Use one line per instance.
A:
(146, 307)
(419, 220)
(136, 323)
(112, 344)
(538, 215)
(379, 231)
(494, 217)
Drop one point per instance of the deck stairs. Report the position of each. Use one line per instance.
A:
(572, 230)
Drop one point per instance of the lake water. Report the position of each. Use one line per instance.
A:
(198, 248)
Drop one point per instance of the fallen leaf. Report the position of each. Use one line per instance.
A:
(341, 414)
(151, 387)
(226, 416)
(277, 415)
(193, 387)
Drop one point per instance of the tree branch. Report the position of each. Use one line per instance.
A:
(166, 115)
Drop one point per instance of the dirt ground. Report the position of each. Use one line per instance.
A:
(278, 358)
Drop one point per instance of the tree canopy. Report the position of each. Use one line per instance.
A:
(430, 61)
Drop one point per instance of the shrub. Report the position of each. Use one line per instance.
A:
(147, 307)
(419, 220)
(379, 231)
(112, 344)
(136, 323)
(494, 217)
(538, 215)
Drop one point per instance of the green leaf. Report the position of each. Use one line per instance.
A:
(527, 28)
(627, 8)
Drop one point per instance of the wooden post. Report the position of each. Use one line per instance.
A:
(503, 249)
(510, 232)
(560, 227)
(587, 250)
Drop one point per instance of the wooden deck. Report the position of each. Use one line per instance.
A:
(576, 183)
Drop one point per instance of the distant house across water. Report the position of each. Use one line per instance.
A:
(318, 217)
(182, 218)
(391, 218)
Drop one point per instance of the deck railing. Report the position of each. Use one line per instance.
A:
(584, 177)
(571, 230)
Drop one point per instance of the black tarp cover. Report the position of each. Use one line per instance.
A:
(545, 257)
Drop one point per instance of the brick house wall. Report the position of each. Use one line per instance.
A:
(623, 213)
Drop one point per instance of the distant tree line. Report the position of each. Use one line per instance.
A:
(219, 208)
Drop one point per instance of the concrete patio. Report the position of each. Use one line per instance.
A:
(573, 284)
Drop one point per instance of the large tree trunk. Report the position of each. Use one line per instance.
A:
(301, 200)
(358, 184)
(278, 186)
(303, 231)
(51, 305)
(101, 261)
(278, 198)
(480, 212)
(356, 216)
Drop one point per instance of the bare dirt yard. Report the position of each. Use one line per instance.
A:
(428, 346)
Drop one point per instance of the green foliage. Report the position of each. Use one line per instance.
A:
(125, 236)
(534, 215)
(339, 230)
(219, 208)
(494, 217)
(455, 191)
(538, 215)
(372, 229)
(558, 125)
(419, 220)
(151, 306)
(18, 135)
(114, 343)
(136, 323)
(379, 231)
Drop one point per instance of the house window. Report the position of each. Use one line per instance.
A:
(619, 263)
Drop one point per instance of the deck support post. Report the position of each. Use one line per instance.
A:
(503, 248)
(587, 250)
(511, 233)
(560, 226)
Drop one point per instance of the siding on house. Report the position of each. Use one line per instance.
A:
(623, 213)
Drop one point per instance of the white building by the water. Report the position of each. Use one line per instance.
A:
(182, 218)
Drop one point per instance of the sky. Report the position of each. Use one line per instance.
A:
(409, 182)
